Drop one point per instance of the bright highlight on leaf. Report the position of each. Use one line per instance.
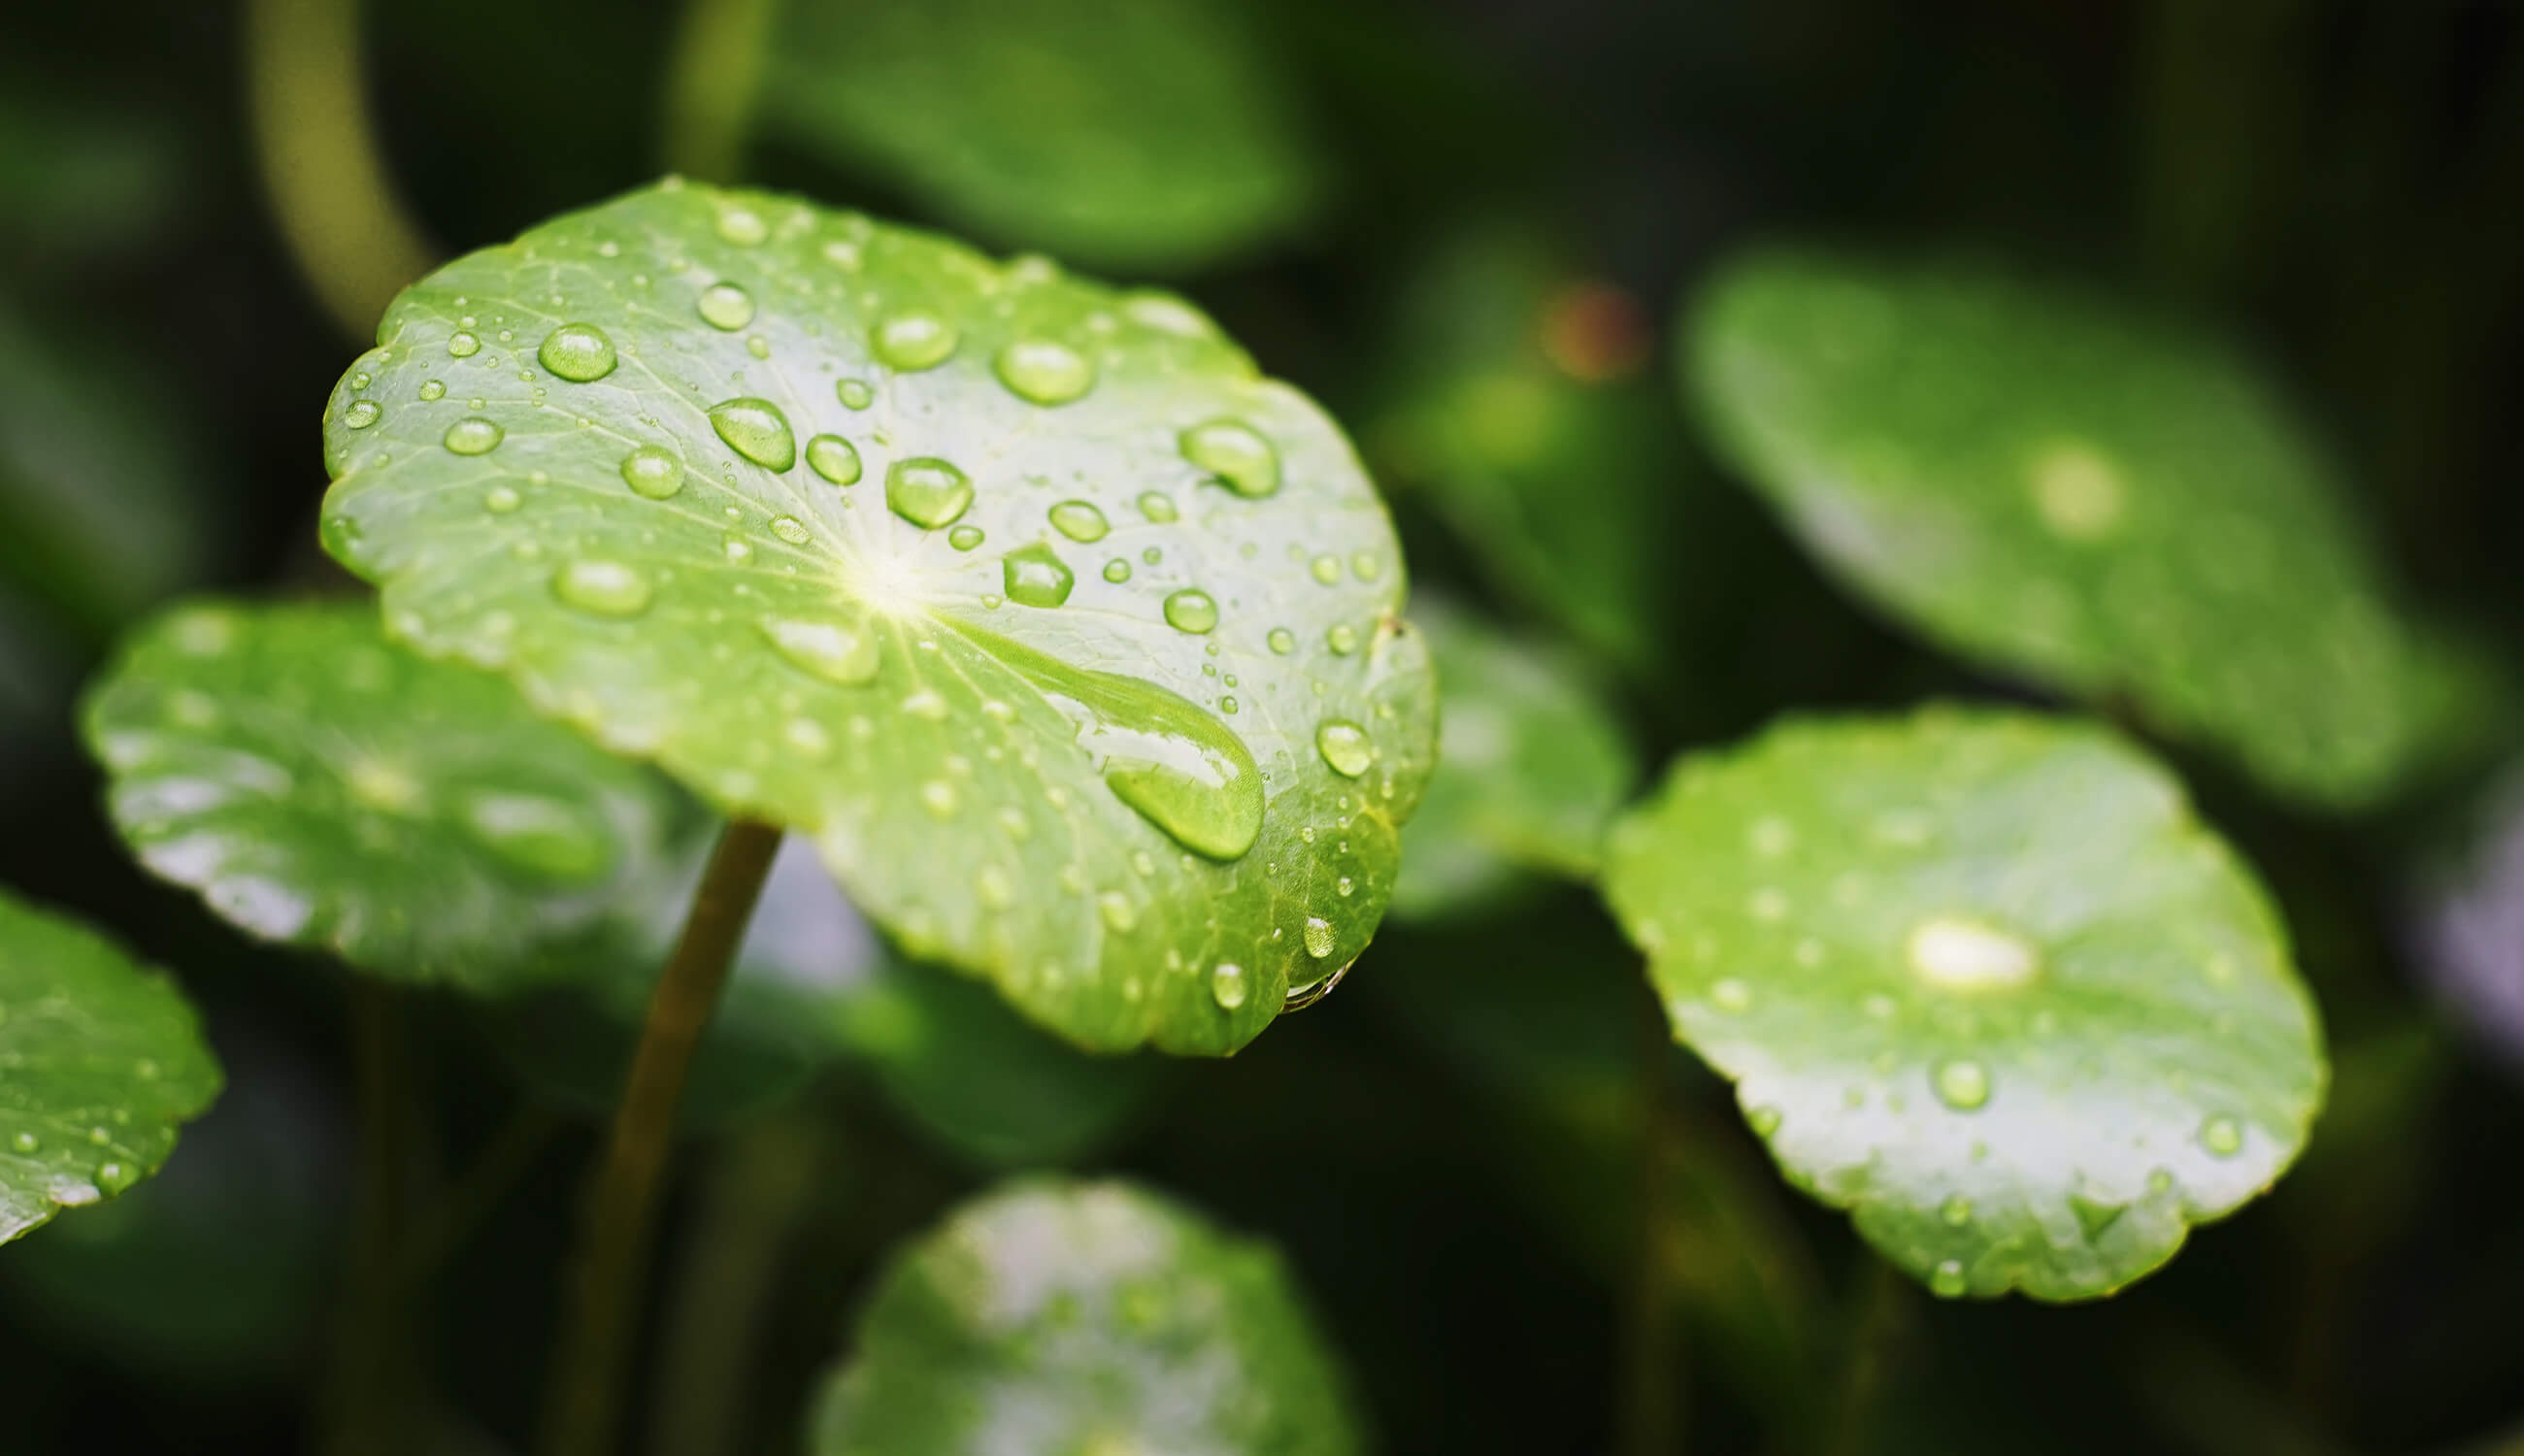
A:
(1143, 134)
(321, 787)
(1086, 1317)
(1982, 980)
(100, 1061)
(1080, 766)
(1531, 766)
(2049, 485)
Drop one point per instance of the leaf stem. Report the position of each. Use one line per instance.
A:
(325, 177)
(712, 83)
(582, 1401)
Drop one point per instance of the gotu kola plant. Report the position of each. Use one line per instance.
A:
(1071, 642)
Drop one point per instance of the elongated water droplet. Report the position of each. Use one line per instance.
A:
(500, 500)
(604, 587)
(472, 435)
(835, 458)
(743, 226)
(927, 491)
(1319, 937)
(854, 393)
(912, 342)
(579, 353)
(755, 430)
(1346, 746)
(965, 538)
(1044, 371)
(1235, 454)
(1963, 1083)
(791, 529)
(1954, 954)
(542, 835)
(1157, 506)
(1078, 520)
(726, 307)
(652, 473)
(433, 389)
(841, 652)
(1226, 986)
(1192, 610)
(1034, 578)
(362, 413)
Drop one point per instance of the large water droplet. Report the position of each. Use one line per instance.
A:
(1235, 454)
(542, 835)
(1954, 954)
(1034, 578)
(1044, 371)
(604, 587)
(579, 353)
(1179, 768)
(1963, 1083)
(472, 435)
(965, 537)
(727, 307)
(1226, 986)
(1192, 610)
(1282, 641)
(1078, 520)
(743, 226)
(1157, 506)
(1346, 746)
(362, 413)
(912, 342)
(464, 345)
(1948, 1281)
(652, 473)
(835, 458)
(757, 430)
(927, 491)
(838, 652)
(854, 393)
(791, 529)
(1319, 937)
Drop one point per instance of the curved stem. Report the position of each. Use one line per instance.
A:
(711, 85)
(582, 1402)
(337, 210)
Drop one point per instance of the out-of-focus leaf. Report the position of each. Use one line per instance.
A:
(1071, 639)
(101, 511)
(1531, 766)
(321, 787)
(2067, 490)
(1982, 980)
(1120, 134)
(1524, 412)
(78, 178)
(100, 1061)
(1085, 1317)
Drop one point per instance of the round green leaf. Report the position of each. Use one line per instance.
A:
(1150, 134)
(2065, 489)
(1531, 766)
(322, 788)
(1072, 640)
(100, 1061)
(1981, 978)
(1086, 1317)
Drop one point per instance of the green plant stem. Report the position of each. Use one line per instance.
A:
(1874, 1328)
(328, 183)
(582, 1401)
(760, 1188)
(362, 1397)
(1651, 1402)
(712, 83)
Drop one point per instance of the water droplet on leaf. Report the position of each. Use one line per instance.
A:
(927, 491)
(579, 353)
(755, 430)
